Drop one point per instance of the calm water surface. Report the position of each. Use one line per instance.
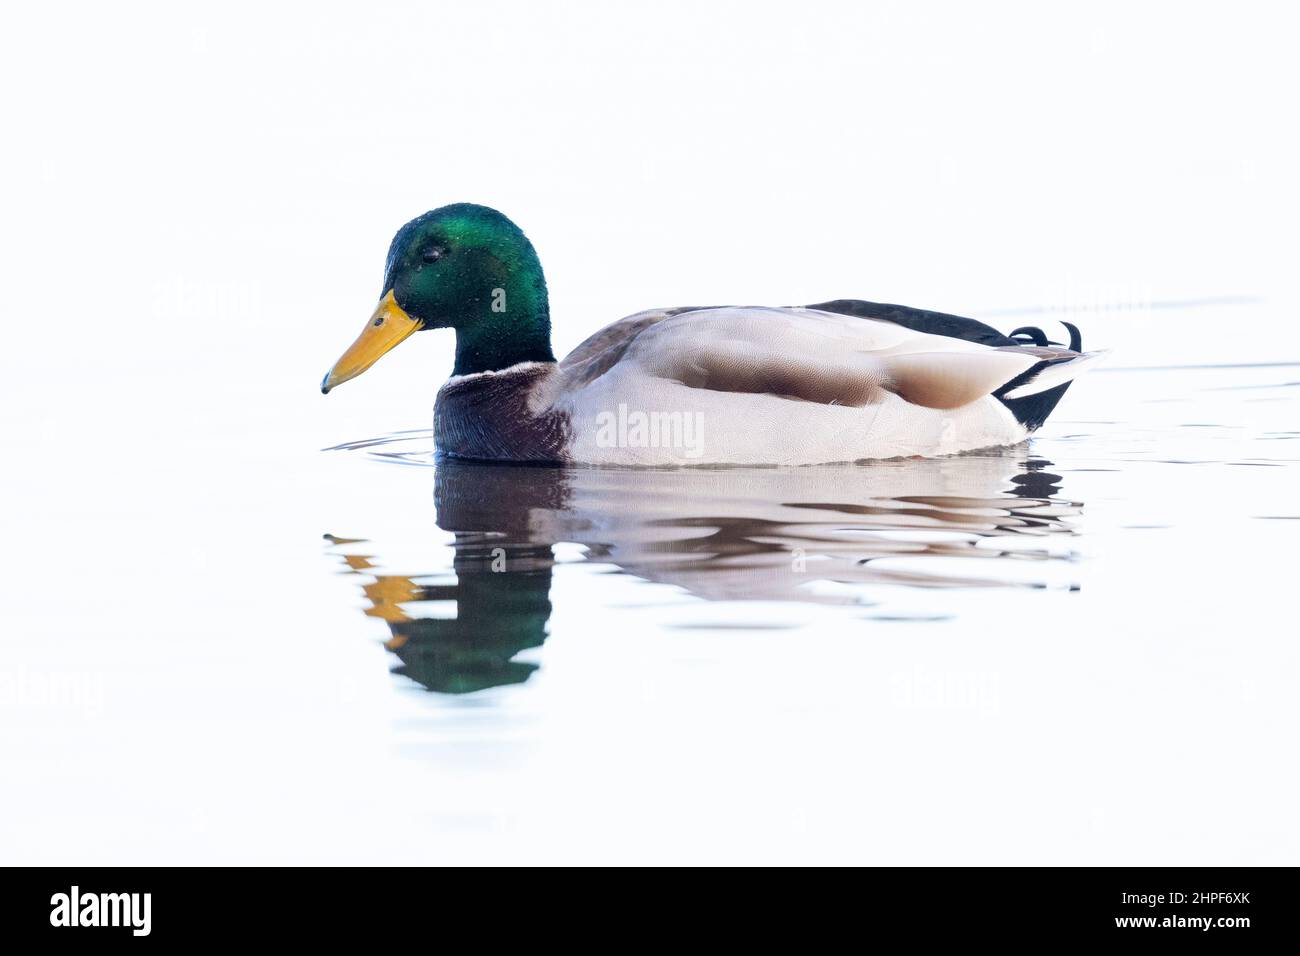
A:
(1080, 649)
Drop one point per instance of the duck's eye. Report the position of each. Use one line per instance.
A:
(433, 253)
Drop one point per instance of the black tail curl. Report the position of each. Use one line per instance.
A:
(1033, 335)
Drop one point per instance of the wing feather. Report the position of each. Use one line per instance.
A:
(808, 354)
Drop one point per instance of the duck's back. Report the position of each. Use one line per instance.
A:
(753, 385)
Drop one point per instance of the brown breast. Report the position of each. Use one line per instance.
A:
(489, 417)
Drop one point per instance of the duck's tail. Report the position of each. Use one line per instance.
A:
(1050, 373)
(1032, 395)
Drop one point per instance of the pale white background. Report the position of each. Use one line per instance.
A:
(197, 203)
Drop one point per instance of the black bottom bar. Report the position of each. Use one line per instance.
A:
(1228, 906)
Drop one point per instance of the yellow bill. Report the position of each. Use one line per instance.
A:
(387, 327)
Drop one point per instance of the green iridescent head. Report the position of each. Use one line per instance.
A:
(463, 267)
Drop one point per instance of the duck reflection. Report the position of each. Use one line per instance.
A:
(501, 584)
(827, 534)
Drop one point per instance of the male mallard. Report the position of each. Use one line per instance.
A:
(837, 381)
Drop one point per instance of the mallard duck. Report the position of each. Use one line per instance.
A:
(843, 380)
